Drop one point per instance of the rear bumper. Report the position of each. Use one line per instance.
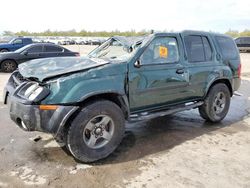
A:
(236, 84)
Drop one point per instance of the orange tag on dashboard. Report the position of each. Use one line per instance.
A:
(163, 51)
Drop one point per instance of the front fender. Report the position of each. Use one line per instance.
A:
(77, 87)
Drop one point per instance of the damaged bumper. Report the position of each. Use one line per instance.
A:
(32, 118)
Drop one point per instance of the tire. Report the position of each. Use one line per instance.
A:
(99, 119)
(216, 103)
(8, 66)
(4, 50)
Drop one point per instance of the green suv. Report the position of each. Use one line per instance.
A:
(85, 101)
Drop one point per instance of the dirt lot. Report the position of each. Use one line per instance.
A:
(180, 150)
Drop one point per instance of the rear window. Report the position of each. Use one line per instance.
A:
(52, 49)
(227, 46)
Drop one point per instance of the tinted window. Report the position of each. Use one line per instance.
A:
(52, 49)
(194, 46)
(227, 46)
(161, 50)
(35, 49)
(245, 40)
(207, 49)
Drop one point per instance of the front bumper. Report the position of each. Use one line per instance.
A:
(31, 118)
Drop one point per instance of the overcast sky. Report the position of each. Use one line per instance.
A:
(93, 15)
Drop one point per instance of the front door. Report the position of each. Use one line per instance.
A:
(33, 52)
(161, 79)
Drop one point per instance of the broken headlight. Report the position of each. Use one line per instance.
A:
(33, 92)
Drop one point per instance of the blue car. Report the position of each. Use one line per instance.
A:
(15, 44)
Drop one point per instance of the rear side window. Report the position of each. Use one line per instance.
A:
(198, 48)
(207, 49)
(52, 49)
(227, 47)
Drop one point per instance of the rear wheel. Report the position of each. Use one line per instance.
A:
(8, 66)
(216, 104)
(96, 131)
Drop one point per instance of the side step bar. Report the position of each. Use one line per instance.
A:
(172, 110)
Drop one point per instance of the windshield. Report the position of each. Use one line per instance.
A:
(11, 41)
(23, 48)
(112, 49)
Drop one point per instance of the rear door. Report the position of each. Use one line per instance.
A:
(201, 62)
(161, 79)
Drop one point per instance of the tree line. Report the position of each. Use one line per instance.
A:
(84, 33)
(234, 33)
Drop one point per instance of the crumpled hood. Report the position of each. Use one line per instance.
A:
(50, 67)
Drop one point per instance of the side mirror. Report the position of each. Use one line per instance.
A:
(137, 64)
(25, 53)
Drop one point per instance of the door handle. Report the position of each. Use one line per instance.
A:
(180, 71)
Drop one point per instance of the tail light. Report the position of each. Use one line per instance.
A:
(239, 70)
(77, 54)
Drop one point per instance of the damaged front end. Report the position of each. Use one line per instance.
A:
(24, 99)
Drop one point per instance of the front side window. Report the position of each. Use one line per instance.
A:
(35, 49)
(161, 50)
(18, 41)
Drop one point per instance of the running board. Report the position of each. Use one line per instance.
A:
(172, 110)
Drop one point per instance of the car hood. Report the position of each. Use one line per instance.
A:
(7, 54)
(41, 69)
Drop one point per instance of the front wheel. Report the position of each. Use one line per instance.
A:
(96, 131)
(3, 50)
(8, 66)
(216, 104)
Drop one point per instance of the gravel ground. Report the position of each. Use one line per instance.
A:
(180, 150)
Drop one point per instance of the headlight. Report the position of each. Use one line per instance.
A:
(33, 92)
(30, 90)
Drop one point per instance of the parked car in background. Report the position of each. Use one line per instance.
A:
(10, 60)
(85, 101)
(15, 44)
(243, 43)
